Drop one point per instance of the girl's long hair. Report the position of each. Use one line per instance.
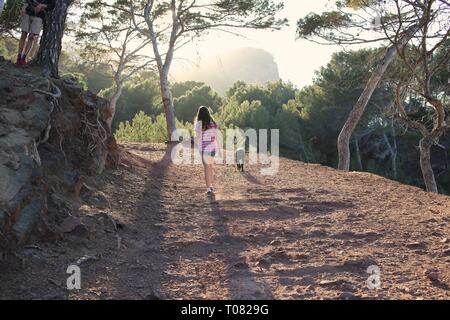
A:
(205, 117)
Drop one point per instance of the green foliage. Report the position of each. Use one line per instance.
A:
(273, 106)
(325, 105)
(10, 17)
(255, 14)
(179, 89)
(272, 96)
(8, 48)
(187, 105)
(98, 76)
(356, 4)
(289, 122)
(314, 23)
(141, 93)
(76, 77)
(143, 129)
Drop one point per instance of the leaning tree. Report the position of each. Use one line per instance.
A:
(171, 24)
(109, 36)
(363, 22)
(423, 92)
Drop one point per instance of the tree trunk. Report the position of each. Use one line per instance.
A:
(163, 71)
(394, 154)
(343, 143)
(425, 165)
(51, 40)
(358, 155)
(167, 102)
(113, 104)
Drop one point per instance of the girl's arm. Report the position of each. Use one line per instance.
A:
(198, 134)
(219, 141)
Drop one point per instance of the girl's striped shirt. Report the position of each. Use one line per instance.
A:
(207, 138)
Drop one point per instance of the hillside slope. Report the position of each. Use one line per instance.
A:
(309, 232)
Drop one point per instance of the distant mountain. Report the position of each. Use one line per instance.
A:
(251, 65)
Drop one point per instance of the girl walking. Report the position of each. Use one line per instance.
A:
(206, 140)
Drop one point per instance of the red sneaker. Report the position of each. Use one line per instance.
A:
(22, 62)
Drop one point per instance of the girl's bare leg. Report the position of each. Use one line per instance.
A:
(205, 167)
(211, 174)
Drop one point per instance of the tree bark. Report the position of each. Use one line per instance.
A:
(343, 143)
(393, 155)
(395, 151)
(425, 164)
(51, 40)
(167, 102)
(358, 155)
(164, 66)
(113, 104)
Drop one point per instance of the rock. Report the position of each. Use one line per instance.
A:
(55, 296)
(3, 219)
(25, 112)
(347, 296)
(55, 282)
(9, 186)
(25, 223)
(81, 231)
(301, 256)
(109, 225)
(263, 263)
(432, 274)
(85, 259)
(340, 284)
(318, 233)
(275, 243)
(154, 295)
(416, 245)
(327, 283)
(241, 265)
(10, 116)
(279, 254)
(62, 203)
(99, 199)
(446, 252)
(69, 224)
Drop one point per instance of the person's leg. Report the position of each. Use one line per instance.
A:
(211, 174)
(25, 26)
(34, 49)
(205, 169)
(207, 164)
(35, 28)
(30, 40)
(22, 40)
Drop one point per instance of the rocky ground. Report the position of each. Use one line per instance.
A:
(148, 231)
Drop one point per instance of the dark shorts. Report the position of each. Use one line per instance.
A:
(209, 153)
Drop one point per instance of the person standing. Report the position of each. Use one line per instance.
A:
(32, 21)
(206, 135)
(2, 3)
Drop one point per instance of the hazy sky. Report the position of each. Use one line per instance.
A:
(297, 59)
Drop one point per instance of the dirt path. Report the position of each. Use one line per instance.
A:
(309, 232)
